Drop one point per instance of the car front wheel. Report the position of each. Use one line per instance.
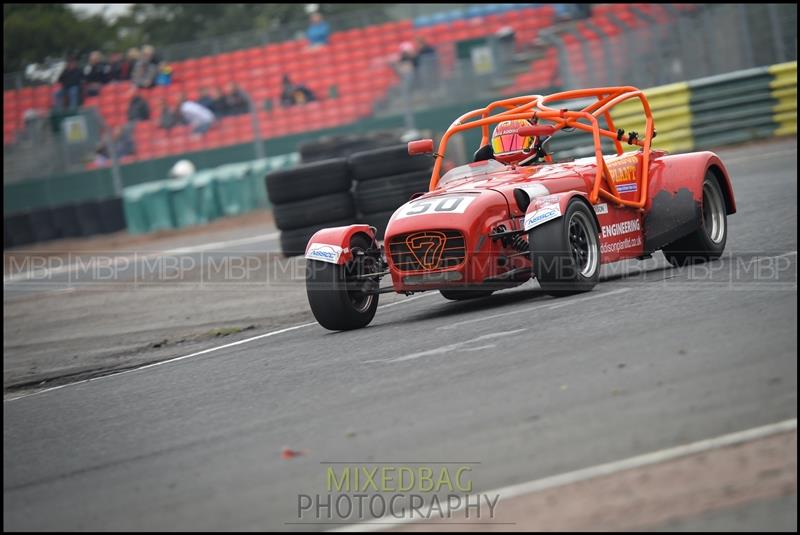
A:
(339, 295)
(565, 252)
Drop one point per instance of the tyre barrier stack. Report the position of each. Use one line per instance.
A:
(342, 146)
(308, 198)
(74, 220)
(366, 188)
(384, 180)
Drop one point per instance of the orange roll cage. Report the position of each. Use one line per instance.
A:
(534, 107)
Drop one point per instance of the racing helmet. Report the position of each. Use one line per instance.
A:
(508, 146)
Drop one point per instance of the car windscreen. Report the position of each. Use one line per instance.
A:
(471, 170)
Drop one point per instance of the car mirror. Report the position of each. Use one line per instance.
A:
(421, 146)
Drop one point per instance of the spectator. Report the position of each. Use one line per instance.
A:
(71, 80)
(155, 59)
(287, 88)
(406, 65)
(424, 49)
(235, 101)
(426, 65)
(293, 94)
(408, 57)
(145, 71)
(207, 101)
(219, 102)
(123, 140)
(169, 117)
(138, 109)
(127, 65)
(164, 76)
(197, 116)
(122, 144)
(318, 30)
(96, 73)
(115, 66)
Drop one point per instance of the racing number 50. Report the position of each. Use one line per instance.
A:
(448, 204)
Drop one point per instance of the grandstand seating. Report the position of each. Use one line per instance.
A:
(543, 72)
(355, 63)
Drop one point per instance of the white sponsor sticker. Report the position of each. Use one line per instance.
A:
(446, 204)
(542, 215)
(324, 252)
(623, 227)
(601, 208)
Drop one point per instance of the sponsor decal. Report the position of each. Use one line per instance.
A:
(623, 227)
(427, 248)
(617, 246)
(626, 188)
(542, 215)
(623, 170)
(447, 204)
(601, 208)
(324, 252)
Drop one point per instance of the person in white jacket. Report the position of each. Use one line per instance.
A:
(198, 116)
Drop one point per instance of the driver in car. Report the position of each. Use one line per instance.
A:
(508, 147)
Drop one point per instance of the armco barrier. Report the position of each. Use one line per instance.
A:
(228, 190)
(701, 114)
(783, 87)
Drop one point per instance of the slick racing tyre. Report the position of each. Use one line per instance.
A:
(565, 252)
(336, 296)
(388, 161)
(308, 180)
(708, 241)
(312, 211)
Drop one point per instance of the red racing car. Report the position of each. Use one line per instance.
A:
(514, 213)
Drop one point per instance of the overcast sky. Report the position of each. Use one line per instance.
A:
(111, 10)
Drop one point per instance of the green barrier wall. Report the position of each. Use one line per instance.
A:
(227, 190)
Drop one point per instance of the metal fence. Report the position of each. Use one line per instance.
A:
(711, 39)
(707, 40)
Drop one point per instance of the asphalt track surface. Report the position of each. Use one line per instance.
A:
(522, 384)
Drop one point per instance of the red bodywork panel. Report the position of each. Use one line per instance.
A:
(477, 205)
(336, 237)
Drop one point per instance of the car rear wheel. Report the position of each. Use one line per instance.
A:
(337, 293)
(707, 242)
(565, 252)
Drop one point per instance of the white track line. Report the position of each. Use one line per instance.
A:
(198, 353)
(537, 485)
(547, 305)
(444, 349)
(44, 273)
